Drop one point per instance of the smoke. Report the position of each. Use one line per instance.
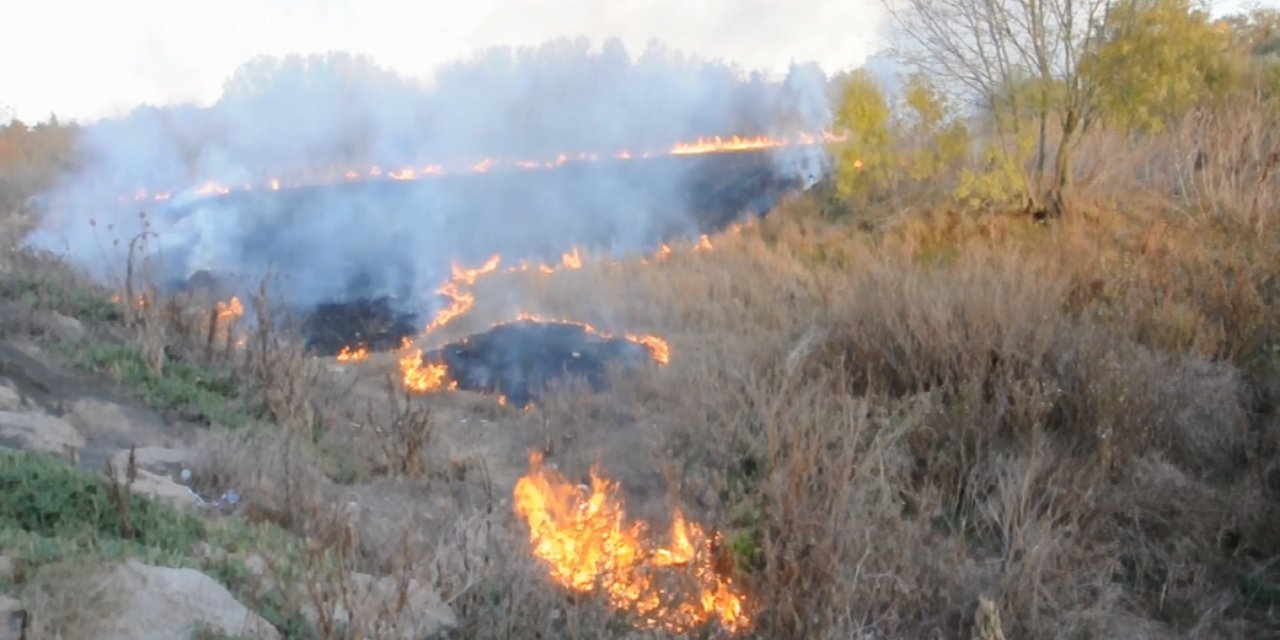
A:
(305, 120)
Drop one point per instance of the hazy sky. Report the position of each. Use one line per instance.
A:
(88, 59)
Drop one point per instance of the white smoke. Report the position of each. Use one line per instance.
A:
(300, 117)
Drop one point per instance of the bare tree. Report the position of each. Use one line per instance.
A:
(1019, 61)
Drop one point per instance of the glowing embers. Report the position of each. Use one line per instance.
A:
(582, 535)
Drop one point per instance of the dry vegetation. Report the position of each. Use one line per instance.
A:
(892, 417)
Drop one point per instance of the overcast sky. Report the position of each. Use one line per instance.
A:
(89, 59)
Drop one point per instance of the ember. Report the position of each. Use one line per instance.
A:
(518, 359)
(370, 323)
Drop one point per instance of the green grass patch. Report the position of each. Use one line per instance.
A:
(182, 386)
(41, 495)
(44, 292)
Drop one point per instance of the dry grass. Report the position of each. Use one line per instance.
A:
(889, 421)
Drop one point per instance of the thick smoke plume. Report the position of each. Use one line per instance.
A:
(306, 120)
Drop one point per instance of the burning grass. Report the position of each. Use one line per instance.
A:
(859, 429)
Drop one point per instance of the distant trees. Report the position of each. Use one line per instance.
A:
(31, 157)
(1003, 91)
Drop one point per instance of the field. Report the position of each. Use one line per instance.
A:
(899, 417)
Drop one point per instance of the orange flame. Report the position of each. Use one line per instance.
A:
(421, 377)
(571, 259)
(347, 354)
(275, 184)
(582, 536)
(720, 145)
(460, 300)
(657, 346)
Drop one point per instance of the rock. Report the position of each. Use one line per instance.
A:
(158, 487)
(12, 619)
(161, 603)
(40, 432)
(99, 416)
(377, 600)
(66, 328)
(10, 399)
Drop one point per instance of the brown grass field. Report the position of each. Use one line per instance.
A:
(891, 416)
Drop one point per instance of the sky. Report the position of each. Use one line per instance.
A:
(86, 60)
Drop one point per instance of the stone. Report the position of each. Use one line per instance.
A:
(162, 603)
(100, 416)
(40, 432)
(162, 488)
(66, 328)
(10, 399)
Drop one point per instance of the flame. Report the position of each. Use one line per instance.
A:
(419, 376)
(702, 145)
(347, 354)
(721, 145)
(659, 349)
(657, 346)
(571, 259)
(212, 187)
(704, 243)
(460, 300)
(229, 310)
(226, 313)
(582, 536)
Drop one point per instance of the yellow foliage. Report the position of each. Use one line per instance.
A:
(865, 162)
(1157, 59)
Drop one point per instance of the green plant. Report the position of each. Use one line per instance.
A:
(42, 495)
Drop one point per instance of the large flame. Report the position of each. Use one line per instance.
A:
(582, 535)
(419, 376)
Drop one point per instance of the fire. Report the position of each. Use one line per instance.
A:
(347, 354)
(657, 346)
(212, 187)
(460, 300)
(660, 350)
(582, 535)
(571, 259)
(229, 310)
(421, 377)
(721, 145)
(702, 145)
(704, 243)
